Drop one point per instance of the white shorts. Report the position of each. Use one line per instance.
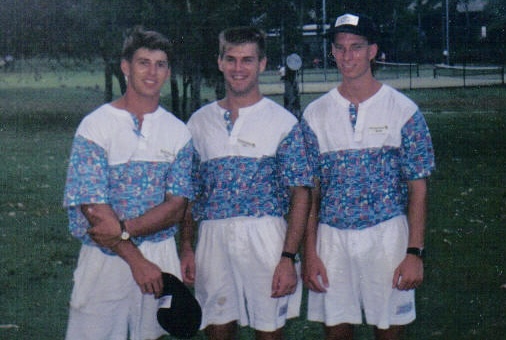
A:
(236, 259)
(360, 266)
(107, 304)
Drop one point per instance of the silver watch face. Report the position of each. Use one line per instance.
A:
(125, 235)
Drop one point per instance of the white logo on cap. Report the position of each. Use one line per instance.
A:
(165, 302)
(347, 19)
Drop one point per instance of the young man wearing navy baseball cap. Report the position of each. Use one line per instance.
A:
(371, 153)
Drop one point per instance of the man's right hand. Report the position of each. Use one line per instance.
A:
(105, 229)
(188, 266)
(148, 276)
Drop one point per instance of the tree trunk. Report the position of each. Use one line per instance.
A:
(184, 104)
(113, 68)
(116, 69)
(219, 89)
(174, 92)
(195, 91)
(108, 82)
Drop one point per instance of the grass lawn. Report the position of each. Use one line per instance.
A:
(461, 298)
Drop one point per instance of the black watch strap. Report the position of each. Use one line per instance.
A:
(291, 256)
(122, 225)
(125, 235)
(420, 252)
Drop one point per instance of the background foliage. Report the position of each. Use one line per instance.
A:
(413, 31)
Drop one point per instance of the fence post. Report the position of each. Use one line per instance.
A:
(464, 74)
(410, 76)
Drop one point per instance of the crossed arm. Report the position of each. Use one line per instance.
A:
(105, 230)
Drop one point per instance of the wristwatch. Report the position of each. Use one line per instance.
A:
(289, 255)
(420, 252)
(125, 235)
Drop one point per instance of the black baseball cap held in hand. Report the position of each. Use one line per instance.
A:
(358, 24)
(179, 313)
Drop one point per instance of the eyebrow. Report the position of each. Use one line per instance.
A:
(353, 44)
(156, 61)
(246, 57)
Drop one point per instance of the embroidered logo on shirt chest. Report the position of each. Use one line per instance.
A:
(378, 130)
(167, 155)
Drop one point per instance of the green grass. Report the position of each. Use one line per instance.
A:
(466, 232)
(461, 298)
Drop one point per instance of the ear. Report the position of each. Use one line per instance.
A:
(333, 50)
(373, 51)
(125, 67)
(219, 63)
(168, 74)
(263, 64)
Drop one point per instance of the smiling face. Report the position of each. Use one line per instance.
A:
(241, 67)
(146, 72)
(353, 55)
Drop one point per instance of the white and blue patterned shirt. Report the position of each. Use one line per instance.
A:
(246, 169)
(364, 169)
(113, 162)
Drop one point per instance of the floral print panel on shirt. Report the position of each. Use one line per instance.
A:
(130, 188)
(240, 186)
(363, 187)
(234, 186)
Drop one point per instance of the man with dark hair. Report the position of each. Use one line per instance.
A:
(128, 182)
(251, 172)
(371, 153)
(140, 38)
(242, 35)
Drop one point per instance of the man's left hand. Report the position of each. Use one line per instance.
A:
(105, 229)
(409, 274)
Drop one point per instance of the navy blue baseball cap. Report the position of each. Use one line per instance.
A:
(179, 313)
(358, 24)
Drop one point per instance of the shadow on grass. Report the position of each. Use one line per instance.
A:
(45, 109)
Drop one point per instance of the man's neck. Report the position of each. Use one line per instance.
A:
(234, 103)
(138, 106)
(359, 91)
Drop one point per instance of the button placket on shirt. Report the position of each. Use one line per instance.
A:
(144, 135)
(358, 126)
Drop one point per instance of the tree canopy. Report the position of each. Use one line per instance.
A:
(87, 29)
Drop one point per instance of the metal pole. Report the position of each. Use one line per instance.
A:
(324, 19)
(447, 35)
(410, 77)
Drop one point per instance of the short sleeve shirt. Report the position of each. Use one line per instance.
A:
(246, 169)
(113, 162)
(363, 170)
